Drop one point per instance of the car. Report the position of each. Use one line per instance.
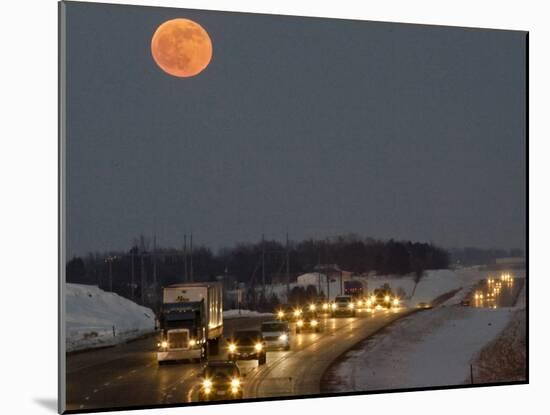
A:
(424, 305)
(343, 306)
(247, 345)
(307, 323)
(289, 313)
(276, 335)
(220, 380)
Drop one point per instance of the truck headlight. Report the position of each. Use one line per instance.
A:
(164, 344)
(232, 347)
(300, 323)
(283, 337)
(258, 347)
(314, 323)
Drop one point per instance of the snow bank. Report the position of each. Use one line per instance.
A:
(96, 318)
(432, 348)
(229, 314)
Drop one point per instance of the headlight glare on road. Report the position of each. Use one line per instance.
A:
(300, 323)
(234, 391)
(258, 347)
(232, 347)
(283, 337)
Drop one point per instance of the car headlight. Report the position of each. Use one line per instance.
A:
(360, 303)
(207, 384)
(280, 314)
(297, 313)
(232, 347)
(396, 301)
(312, 307)
(350, 306)
(192, 342)
(164, 344)
(314, 323)
(283, 337)
(300, 323)
(258, 347)
(333, 306)
(387, 298)
(369, 302)
(235, 383)
(325, 306)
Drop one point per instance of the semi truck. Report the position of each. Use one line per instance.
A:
(190, 321)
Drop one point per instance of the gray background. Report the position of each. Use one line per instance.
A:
(315, 126)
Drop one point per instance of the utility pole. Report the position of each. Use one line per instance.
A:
(143, 279)
(263, 265)
(132, 287)
(109, 260)
(155, 260)
(191, 258)
(287, 267)
(185, 279)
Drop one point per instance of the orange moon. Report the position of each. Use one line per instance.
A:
(181, 47)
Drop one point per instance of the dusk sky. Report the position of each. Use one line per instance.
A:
(317, 127)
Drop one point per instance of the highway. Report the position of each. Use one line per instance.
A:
(128, 375)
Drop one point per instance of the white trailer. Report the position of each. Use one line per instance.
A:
(191, 321)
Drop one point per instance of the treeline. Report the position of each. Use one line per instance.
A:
(139, 272)
(479, 256)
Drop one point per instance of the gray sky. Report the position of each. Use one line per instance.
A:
(318, 126)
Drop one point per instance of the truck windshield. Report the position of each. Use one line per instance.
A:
(274, 327)
(247, 338)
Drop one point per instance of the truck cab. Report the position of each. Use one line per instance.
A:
(180, 339)
(343, 306)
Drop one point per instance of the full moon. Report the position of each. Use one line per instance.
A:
(181, 47)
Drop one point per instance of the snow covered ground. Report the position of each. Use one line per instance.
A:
(430, 348)
(96, 318)
(229, 314)
(433, 284)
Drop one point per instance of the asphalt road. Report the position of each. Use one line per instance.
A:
(128, 375)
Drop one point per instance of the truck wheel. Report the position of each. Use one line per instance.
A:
(262, 359)
(213, 346)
